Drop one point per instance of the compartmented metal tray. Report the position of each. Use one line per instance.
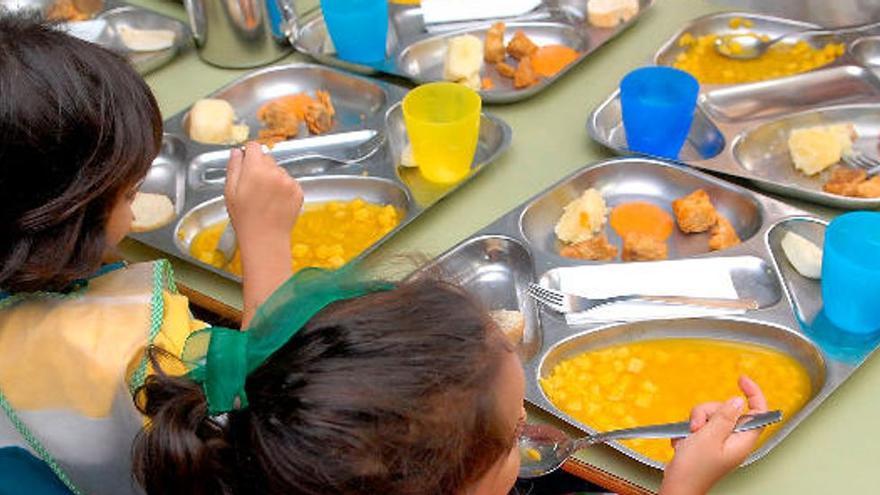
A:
(192, 174)
(499, 261)
(118, 14)
(417, 54)
(741, 130)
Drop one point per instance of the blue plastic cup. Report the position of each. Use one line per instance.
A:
(851, 272)
(658, 109)
(358, 28)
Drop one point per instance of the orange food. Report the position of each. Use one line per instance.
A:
(282, 116)
(548, 60)
(487, 83)
(641, 217)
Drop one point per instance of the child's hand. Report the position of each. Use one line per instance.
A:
(263, 202)
(713, 450)
(262, 199)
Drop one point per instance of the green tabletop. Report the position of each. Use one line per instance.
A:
(831, 451)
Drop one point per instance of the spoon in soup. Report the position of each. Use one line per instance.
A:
(544, 448)
(747, 46)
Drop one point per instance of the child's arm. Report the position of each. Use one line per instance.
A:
(263, 202)
(713, 450)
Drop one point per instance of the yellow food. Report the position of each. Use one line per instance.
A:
(660, 381)
(212, 121)
(813, 149)
(709, 67)
(738, 22)
(531, 454)
(464, 60)
(326, 235)
(582, 218)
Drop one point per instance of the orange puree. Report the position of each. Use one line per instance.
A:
(643, 218)
(550, 59)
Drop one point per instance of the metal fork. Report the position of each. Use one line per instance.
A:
(858, 159)
(569, 303)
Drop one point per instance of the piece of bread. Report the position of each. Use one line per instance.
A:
(145, 40)
(511, 323)
(211, 121)
(151, 211)
(813, 149)
(464, 59)
(610, 13)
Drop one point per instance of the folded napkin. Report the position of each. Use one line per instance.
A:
(89, 31)
(693, 278)
(442, 11)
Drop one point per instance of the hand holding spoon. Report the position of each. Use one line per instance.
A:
(545, 448)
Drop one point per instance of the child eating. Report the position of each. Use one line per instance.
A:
(356, 390)
(80, 129)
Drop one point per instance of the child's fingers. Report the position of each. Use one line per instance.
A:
(720, 424)
(701, 413)
(233, 171)
(754, 395)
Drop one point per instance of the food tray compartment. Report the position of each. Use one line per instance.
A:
(315, 190)
(416, 52)
(167, 174)
(359, 102)
(637, 180)
(752, 277)
(497, 270)
(777, 337)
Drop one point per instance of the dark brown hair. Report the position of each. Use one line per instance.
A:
(78, 128)
(390, 393)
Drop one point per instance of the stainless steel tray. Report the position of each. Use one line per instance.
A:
(192, 174)
(740, 130)
(117, 14)
(499, 261)
(417, 54)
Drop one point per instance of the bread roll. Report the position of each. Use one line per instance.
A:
(511, 323)
(151, 211)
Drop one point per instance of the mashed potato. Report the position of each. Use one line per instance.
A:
(582, 218)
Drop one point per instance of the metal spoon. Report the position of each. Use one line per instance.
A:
(751, 46)
(544, 448)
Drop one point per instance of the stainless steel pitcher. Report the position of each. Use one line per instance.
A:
(239, 34)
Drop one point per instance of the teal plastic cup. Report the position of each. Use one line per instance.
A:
(358, 28)
(851, 272)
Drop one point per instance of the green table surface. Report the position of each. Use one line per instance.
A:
(831, 451)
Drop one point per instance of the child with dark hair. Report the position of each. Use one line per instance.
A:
(79, 129)
(335, 389)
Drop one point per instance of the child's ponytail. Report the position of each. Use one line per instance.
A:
(182, 450)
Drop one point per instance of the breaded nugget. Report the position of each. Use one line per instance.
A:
(694, 212)
(870, 188)
(506, 70)
(320, 113)
(844, 181)
(722, 235)
(493, 51)
(521, 46)
(596, 248)
(525, 75)
(643, 247)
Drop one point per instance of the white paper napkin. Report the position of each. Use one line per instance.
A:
(693, 278)
(443, 11)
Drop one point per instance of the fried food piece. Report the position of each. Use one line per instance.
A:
(320, 113)
(521, 46)
(525, 74)
(493, 51)
(870, 188)
(722, 235)
(694, 212)
(596, 248)
(506, 70)
(65, 10)
(643, 247)
(845, 181)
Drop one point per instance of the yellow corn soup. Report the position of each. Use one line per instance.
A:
(660, 381)
(782, 59)
(326, 235)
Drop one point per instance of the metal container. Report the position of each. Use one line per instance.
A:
(118, 14)
(417, 54)
(741, 130)
(516, 246)
(239, 34)
(192, 174)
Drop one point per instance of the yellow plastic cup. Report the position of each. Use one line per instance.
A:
(443, 124)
